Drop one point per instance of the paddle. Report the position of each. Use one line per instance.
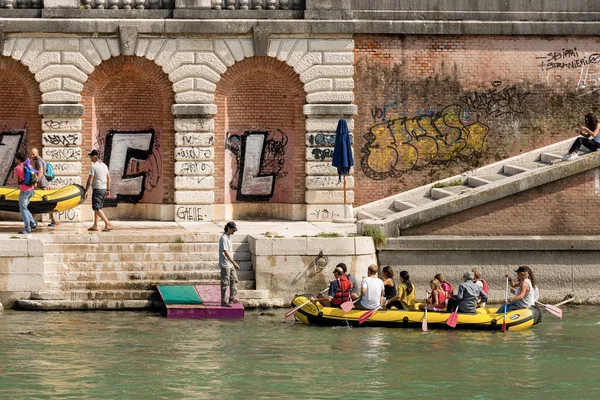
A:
(552, 309)
(453, 318)
(367, 315)
(293, 310)
(425, 317)
(348, 305)
(565, 301)
(505, 306)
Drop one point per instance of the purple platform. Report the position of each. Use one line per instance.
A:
(210, 296)
(186, 311)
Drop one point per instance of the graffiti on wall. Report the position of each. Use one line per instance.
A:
(13, 138)
(259, 162)
(134, 159)
(589, 78)
(404, 144)
(497, 101)
(567, 59)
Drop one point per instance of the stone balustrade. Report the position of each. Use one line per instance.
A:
(128, 4)
(257, 4)
(21, 4)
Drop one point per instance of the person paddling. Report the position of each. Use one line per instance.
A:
(339, 290)
(524, 293)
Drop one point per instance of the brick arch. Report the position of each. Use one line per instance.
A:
(20, 97)
(262, 93)
(128, 94)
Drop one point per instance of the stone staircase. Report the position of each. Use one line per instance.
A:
(460, 192)
(121, 272)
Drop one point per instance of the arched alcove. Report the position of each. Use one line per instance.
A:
(260, 131)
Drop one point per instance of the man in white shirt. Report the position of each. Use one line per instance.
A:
(99, 179)
(229, 279)
(372, 291)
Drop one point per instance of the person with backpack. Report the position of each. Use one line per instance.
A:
(43, 183)
(27, 179)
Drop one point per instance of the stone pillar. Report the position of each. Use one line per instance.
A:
(324, 192)
(61, 146)
(194, 166)
(328, 9)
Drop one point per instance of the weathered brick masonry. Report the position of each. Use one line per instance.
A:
(430, 107)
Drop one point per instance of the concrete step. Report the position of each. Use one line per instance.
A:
(515, 169)
(136, 285)
(552, 156)
(142, 237)
(140, 247)
(403, 205)
(109, 295)
(141, 266)
(440, 193)
(477, 181)
(377, 213)
(70, 305)
(141, 257)
(180, 276)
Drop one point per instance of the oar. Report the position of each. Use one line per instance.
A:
(552, 309)
(425, 317)
(453, 318)
(505, 306)
(367, 315)
(293, 310)
(348, 305)
(565, 301)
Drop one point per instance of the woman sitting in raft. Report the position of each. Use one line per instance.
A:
(591, 128)
(389, 287)
(446, 286)
(405, 293)
(437, 299)
(339, 290)
(525, 293)
(479, 281)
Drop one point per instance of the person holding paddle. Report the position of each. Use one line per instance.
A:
(372, 291)
(466, 298)
(339, 290)
(354, 292)
(524, 293)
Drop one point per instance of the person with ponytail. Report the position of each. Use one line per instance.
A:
(590, 139)
(405, 292)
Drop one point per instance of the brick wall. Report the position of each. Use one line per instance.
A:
(566, 207)
(132, 94)
(430, 107)
(262, 93)
(20, 97)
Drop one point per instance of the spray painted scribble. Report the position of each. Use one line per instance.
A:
(400, 145)
(496, 102)
(13, 138)
(135, 163)
(589, 79)
(259, 161)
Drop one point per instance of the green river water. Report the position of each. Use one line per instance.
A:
(142, 355)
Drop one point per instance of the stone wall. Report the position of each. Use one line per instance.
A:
(21, 269)
(290, 266)
(562, 265)
(430, 107)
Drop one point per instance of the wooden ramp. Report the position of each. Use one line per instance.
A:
(197, 301)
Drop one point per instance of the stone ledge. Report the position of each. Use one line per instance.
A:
(492, 243)
(238, 14)
(61, 109)
(331, 109)
(17, 13)
(106, 14)
(194, 110)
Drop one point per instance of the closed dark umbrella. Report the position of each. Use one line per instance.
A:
(342, 152)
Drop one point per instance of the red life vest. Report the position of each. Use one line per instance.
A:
(343, 293)
(447, 287)
(441, 296)
(486, 289)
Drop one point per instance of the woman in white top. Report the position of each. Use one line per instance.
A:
(525, 292)
(590, 140)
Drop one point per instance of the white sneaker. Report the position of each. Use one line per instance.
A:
(566, 157)
(571, 157)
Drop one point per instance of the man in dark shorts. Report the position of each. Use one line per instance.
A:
(99, 179)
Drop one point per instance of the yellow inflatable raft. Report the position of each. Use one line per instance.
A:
(43, 201)
(485, 319)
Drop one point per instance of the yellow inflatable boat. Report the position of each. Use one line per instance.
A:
(485, 319)
(43, 201)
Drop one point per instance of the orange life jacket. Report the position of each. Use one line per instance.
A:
(343, 293)
(486, 289)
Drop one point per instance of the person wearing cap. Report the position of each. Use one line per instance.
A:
(339, 290)
(228, 266)
(525, 290)
(467, 295)
(99, 179)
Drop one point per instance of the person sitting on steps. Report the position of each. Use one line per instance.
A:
(591, 128)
